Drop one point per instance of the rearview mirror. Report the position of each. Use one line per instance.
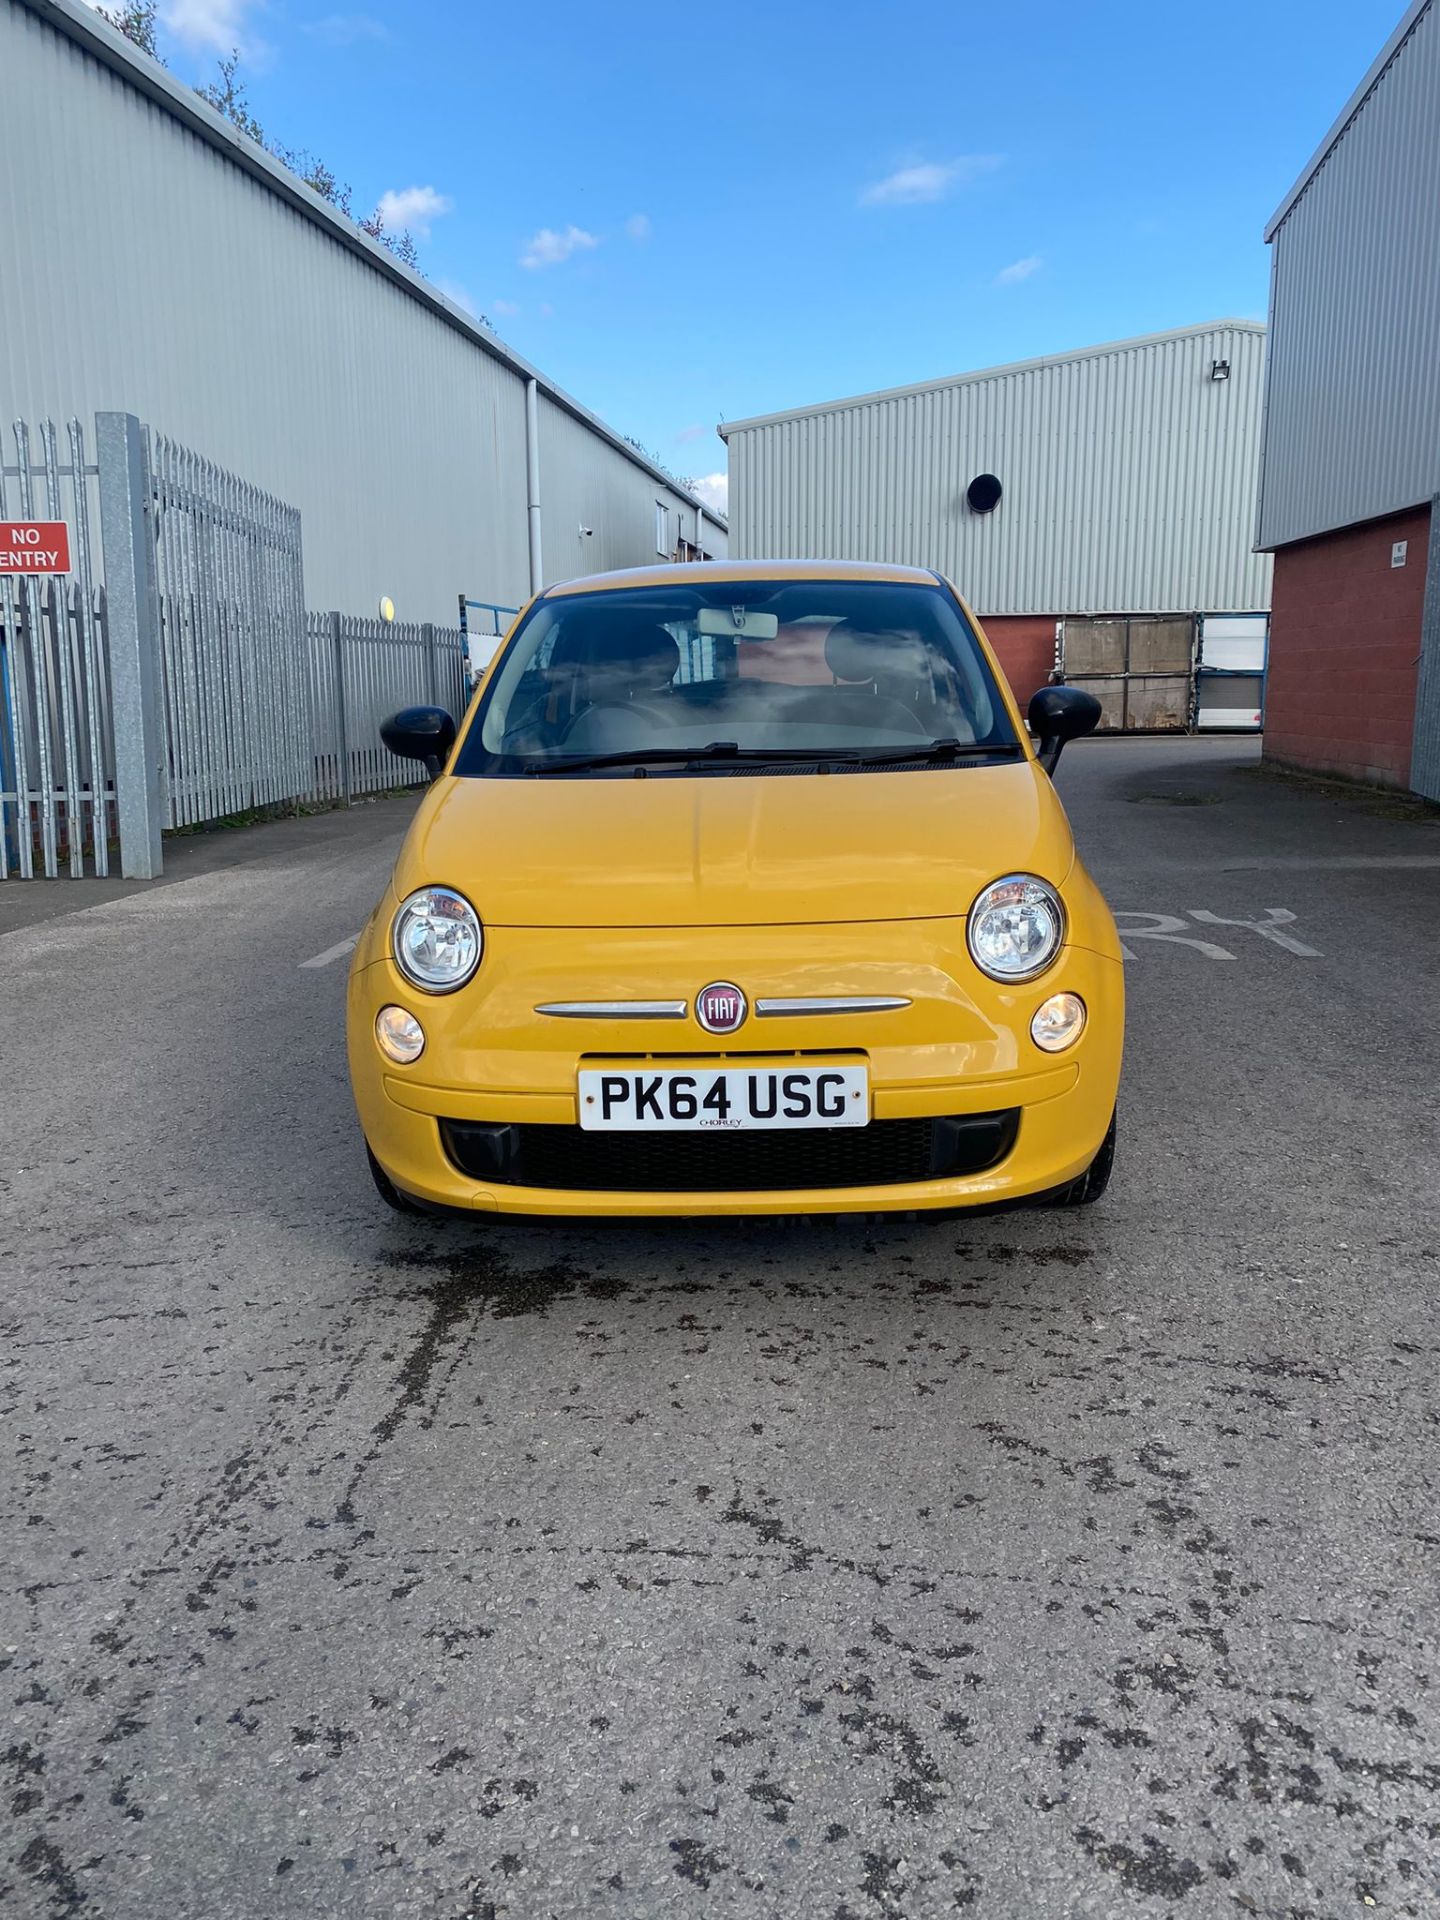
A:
(1058, 714)
(420, 733)
(737, 623)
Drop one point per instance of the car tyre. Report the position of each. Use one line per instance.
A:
(1085, 1191)
(387, 1190)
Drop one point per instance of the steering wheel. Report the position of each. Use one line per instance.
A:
(632, 709)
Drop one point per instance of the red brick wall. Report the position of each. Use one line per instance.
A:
(1344, 649)
(1025, 646)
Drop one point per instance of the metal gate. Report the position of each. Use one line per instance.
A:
(1140, 667)
(57, 767)
(177, 692)
(234, 650)
(191, 686)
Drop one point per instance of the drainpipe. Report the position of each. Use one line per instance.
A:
(532, 480)
(699, 530)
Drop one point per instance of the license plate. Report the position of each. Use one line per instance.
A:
(723, 1098)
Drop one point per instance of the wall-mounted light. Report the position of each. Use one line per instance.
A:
(1219, 369)
(386, 608)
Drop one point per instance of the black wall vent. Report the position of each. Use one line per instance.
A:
(983, 493)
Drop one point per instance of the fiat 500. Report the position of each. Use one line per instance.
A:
(742, 889)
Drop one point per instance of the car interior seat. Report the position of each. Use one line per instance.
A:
(888, 672)
(632, 663)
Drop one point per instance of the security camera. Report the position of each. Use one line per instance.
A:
(586, 532)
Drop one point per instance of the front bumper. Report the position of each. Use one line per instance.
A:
(961, 1047)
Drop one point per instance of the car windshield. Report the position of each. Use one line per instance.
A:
(703, 678)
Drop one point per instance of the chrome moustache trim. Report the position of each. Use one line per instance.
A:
(763, 1009)
(841, 1003)
(615, 1009)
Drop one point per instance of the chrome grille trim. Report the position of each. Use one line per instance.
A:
(823, 1003)
(615, 1009)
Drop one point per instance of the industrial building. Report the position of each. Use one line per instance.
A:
(1095, 506)
(158, 262)
(1351, 454)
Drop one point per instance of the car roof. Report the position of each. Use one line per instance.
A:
(692, 573)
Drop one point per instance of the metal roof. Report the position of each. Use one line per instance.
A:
(727, 427)
(80, 23)
(1387, 53)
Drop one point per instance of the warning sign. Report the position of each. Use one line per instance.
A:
(34, 546)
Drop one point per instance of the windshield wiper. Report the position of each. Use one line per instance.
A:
(731, 750)
(937, 750)
(639, 757)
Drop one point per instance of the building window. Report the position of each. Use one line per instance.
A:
(662, 528)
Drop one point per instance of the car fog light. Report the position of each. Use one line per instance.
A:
(400, 1035)
(1059, 1022)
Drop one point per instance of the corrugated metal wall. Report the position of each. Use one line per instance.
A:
(1352, 427)
(574, 488)
(145, 271)
(1129, 479)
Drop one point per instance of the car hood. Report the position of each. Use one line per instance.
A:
(731, 850)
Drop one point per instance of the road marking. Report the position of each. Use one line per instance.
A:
(1268, 928)
(331, 954)
(1167, 926)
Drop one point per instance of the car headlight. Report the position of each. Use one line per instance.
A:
(1015, 927)
(436, 939)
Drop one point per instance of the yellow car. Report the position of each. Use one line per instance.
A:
(742, 890)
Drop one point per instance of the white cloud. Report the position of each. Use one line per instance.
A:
(687, 434)
(548, 248)
(458, 296)
(208, 25)
(928, 180)
(344, 29)
(507, 308)
(1018, 270)
(411, 209)
(714, 491)
(638, 226)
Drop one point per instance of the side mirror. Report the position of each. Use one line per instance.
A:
(420, 733)
(1058, 714)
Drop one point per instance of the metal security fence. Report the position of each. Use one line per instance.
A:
(361, 671)
(191, 685)
(232, 610)
(57, 768)
(174, 693)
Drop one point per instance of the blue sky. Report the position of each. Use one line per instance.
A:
(694, 212)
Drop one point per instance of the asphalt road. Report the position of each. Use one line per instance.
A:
(1035, 1565)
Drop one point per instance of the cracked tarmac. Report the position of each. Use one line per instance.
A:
(1035, 1564)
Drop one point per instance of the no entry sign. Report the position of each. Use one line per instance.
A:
(34, 546)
